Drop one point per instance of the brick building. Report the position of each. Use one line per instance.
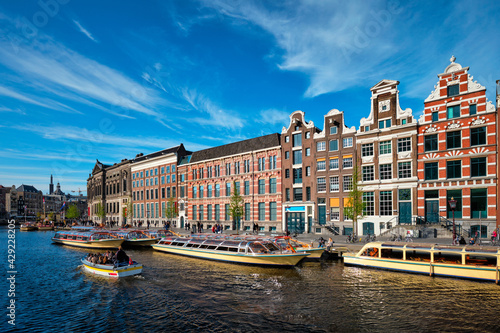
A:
(457, 152)
(154, 185)
(208, 177)
(386, 156)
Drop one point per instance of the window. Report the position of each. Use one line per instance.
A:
(237, 187)
(478, 136)
(297, 157)
(431, 142)
(272, 162)
(478, 202)
(228, 189)
(403, 122)
(262, 211)
(217, 190)
(272, 211)
(217, 212)
(473, 109)
(347, 162)
(272, 185)
(453, 111)
(262, 164)
(201, 192)
(308, 135)
(209, 191)
(404, 169)
(321, 146)
(168, 169)
(195, 191)
(368, 173)
(334, 163)
(404, 144)
(334, 184)
(321, 165)
(297, 194)
(347, 183)
(287, 194)
(287, 173)
(194, 212)
(431, 171)
(385, 203)
(367, 128)
(227, 212)
(453, 140)
(321, 184)
(453, 90)
(147, 173)
(385, 147)
(262, 186)
(369, 201)
(385, 171)
(435, 116)
(287, 155)
(308, 171)
(478, 167)
(247, 187)
(297, 140)
(308, 193)
(367, 149)
(454, 169)
(308, 151)
(333, 130)
(384, 123)
(287, 138)
(247, 212)
(347, 142)
(297, 175)
(333, 145)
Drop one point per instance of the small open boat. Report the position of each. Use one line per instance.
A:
(94, 239)
(464, 261)
(136, 237)
(111, 270)
(45, 227)
(230, 249)
(28, 227)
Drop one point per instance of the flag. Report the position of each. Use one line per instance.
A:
(43, 199)
(64, 205)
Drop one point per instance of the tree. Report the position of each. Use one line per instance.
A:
(72, 212)
(51, 216)
(236, 205)
(171, 208)
(355, 207)
(100, 212)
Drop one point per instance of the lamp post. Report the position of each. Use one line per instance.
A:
(453, 206)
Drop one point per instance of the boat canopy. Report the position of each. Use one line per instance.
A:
(231, 245)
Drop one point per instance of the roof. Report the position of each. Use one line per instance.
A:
(178, 150)
(27, 188)
(185, 160)
(261, 142)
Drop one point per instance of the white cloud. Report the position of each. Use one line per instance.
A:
(84, 31)
(274, 117)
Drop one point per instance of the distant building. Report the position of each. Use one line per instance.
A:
(3, 205)
(29, 201)
(457, 153)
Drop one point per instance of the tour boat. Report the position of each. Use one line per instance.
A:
(28, 227)
(136, 237)
(111, 270)
(286, 242)
(93, 239)
(45, 227)
(464, 261)
(233, 250)
(160, 233)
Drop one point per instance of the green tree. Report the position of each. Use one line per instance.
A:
(100, 212)
(51, 216)
(171, 209)
(72, 212)
(236, 205)
(355, 207)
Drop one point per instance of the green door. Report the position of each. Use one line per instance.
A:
(405, 213)
(296, 222)
(368, 228)
(322, 215)
(432, 211)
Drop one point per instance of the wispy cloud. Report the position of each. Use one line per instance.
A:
(274, 117)
(85, 31)
(5, 109)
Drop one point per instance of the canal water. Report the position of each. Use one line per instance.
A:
(179, 294)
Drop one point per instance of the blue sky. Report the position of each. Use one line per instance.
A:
(109, 79)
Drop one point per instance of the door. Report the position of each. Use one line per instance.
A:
(368, 228)
(322, 215)
(296, 222)
(182, 222)
(432, 211)
(405, 213)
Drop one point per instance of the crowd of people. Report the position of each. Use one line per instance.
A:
(217, 229)
(109, 257)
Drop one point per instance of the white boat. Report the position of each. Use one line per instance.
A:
(464, 261)
(111, 270)
(93, 239)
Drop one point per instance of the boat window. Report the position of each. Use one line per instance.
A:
(371, 252)
(231, 243)
(222, 248)
(416, 255)
(85, 238)
(270, 246)
(257, 247)
(448, 248)
(203, 246)
(242, 250)
(480, 260)
(211, 247)
(232, 249)
(447, 258)
(392, 253)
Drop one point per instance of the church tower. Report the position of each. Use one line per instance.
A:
(51, 185)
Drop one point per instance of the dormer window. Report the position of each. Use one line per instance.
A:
(384, 123)
(453, 90)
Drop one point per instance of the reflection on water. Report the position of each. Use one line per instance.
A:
(176, 293)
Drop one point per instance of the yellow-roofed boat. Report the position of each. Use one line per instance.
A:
(464, 261)
(230, 249)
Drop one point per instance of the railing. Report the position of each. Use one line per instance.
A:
(333, 229)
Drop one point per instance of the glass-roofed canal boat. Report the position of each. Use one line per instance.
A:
(230, 249)
(92, 239)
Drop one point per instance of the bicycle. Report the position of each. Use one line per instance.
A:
(352, 239)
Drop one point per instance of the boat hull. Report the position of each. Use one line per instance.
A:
(110, 271)
(314, 253)
(28, 228)
(97, 244)
(282, 260)
(45, 228)
(140, 242)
